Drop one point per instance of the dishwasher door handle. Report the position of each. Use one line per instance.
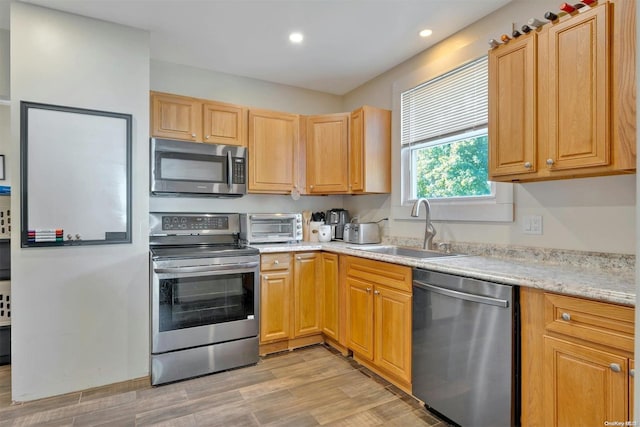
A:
(463, 295)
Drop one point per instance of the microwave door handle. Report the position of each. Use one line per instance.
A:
(229, 170)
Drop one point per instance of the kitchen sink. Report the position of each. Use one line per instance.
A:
(402, 251)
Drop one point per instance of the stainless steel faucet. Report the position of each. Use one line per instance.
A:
(429, 231)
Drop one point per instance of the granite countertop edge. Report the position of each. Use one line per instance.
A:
(595, 284)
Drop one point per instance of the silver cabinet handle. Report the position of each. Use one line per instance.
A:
(207, 137)
(311, 186)
(368, 290)
(298, 258)
(615, 367)
(632, 372)
(376, 292)
(527, 165)
(193, 135)
(566, 316)
(266, 277)
(550, 162)
(276, 262)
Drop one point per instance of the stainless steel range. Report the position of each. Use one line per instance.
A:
(204, 296)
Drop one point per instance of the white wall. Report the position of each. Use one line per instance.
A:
(590, 214)
(190, 81)
(80, 315)
(4, 64)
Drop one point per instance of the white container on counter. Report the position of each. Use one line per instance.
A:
(324, 233)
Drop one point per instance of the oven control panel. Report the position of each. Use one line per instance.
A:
(179, 222)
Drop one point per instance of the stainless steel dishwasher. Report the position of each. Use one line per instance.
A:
(465, 349)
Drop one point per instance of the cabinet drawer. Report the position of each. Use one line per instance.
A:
(599, 322)
(272, 262)
(378, 272)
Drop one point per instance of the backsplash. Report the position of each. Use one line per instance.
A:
(595, 260)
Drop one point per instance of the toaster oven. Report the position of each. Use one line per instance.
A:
(271, 228)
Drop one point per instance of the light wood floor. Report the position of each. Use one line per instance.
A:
(307, 387)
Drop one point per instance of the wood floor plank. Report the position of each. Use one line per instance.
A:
(306, 387)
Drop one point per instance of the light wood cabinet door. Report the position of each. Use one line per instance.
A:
(393, 331)
(632, 371)
(176, 117)
(583, 386)
(330, 296)
(224, 124)
(512, 108)
(360, 317)
(327, 153)
(273, 151)
(370, 151)
(307, 299)
(275, 306)
(579, 92)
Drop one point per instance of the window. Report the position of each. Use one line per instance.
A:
(444, 135)
(443, 141)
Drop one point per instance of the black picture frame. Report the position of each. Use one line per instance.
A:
(44, 122)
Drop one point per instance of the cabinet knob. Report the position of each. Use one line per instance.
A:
(527, 165)
(368, 290)
(632, 372)
(298, 258)
(207, 137)
(566, 316)
(550, 162)
(615, 367)
(193, 135)
(376, 292)
(276, 262)
(266, 277)
(311, 186)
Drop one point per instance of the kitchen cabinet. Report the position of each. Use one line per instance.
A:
(273, 152)
(584, 350)
(330, 290)
(290, 301)
(327, 153)
(379, 317)
(554, 109)
(370, 151)
(197, 120)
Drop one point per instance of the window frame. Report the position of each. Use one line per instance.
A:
(498, 207)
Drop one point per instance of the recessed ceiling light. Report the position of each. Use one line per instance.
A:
(425, 33)
(296, 37)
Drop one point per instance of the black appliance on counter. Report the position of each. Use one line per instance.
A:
(337, 219)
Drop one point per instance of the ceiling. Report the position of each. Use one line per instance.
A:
(346, 42)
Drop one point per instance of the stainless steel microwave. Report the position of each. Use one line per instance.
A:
(181, 168)
(271, 228)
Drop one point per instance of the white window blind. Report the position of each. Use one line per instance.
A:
(448, 104)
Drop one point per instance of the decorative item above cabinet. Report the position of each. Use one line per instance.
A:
(562, 98)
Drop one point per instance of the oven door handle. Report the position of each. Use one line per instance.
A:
(204, 268)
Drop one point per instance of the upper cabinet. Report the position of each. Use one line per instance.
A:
(196, 120)
(370, 151)
(556, 104)
(273, 151)
(327, 153)
(349, 153)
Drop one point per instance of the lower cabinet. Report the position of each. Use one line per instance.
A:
(577, 360)
(379, 317)
(331, 298)
(290, 301)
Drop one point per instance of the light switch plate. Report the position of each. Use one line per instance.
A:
(532, 224)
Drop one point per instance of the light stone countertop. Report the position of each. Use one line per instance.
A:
(617, 286)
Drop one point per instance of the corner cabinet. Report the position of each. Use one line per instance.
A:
(273, 151)
(197, 120)
(327, 153)
(577, 360)
(370, 151)
(556, 98)
(379, 317)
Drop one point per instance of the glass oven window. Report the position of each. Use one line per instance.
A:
(270, 227)
(197, 301)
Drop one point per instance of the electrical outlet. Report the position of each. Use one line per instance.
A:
(532, 224)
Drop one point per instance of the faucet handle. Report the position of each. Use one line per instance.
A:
(444, 247)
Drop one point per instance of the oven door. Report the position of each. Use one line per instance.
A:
(203, 301)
